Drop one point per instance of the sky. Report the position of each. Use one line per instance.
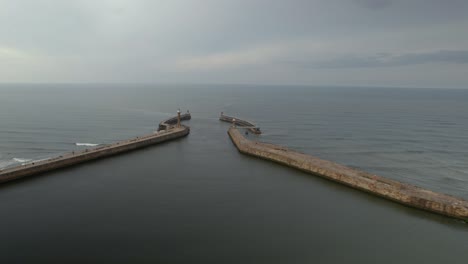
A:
(396, 43)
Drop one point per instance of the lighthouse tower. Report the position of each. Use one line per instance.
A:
(178, 118)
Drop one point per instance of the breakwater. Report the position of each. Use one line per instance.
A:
(239, 122)
(402, 193)
(172, 122)
(170, 132)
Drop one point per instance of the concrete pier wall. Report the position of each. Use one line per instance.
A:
(242, 123)
(73, 158)
(172, 122)
(390, 189)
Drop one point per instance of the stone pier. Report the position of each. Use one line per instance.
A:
(170, 132)
(402, 193)
(241, 123)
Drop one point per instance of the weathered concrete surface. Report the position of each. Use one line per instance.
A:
(73, 158)
(242, 123)
(390, 189)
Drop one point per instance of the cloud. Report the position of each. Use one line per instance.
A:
(387, 60)
(229, 59)
(446, 56)
(230, 41)
(255, 55)
(374, 4)
(35, 65)
(7, 53)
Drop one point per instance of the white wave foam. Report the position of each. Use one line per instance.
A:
(13, 161)
(86, 144)
(21, 160)
(6, 163)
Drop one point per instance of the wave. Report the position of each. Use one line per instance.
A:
(21, 160)
(13, 161)
(86, 144)
(6, 163)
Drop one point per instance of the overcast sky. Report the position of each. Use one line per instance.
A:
(414, 43)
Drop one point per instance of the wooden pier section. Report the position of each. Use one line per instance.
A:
(402, 193)
(241, 123)
(171, 132)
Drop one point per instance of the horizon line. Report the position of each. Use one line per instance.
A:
(238, 84)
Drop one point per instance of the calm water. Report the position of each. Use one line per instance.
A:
(198, 200)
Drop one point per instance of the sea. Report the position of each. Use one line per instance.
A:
(198, 200)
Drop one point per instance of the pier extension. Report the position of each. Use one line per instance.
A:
(405, 194)
(172, 130)
(174, 121)
(239, 122)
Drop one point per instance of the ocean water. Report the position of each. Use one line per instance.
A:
(197, 200)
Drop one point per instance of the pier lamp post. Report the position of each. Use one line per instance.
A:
(234, 122)
(178, 118)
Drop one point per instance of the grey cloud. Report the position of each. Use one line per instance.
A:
(374, 4)
(388, 60)
(448, 56)
(138, 40)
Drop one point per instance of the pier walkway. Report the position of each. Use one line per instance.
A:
(171, 131)
(405, 194)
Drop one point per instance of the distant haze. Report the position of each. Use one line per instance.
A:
(407, 43)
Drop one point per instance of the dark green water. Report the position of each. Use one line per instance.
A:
(197, 200)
